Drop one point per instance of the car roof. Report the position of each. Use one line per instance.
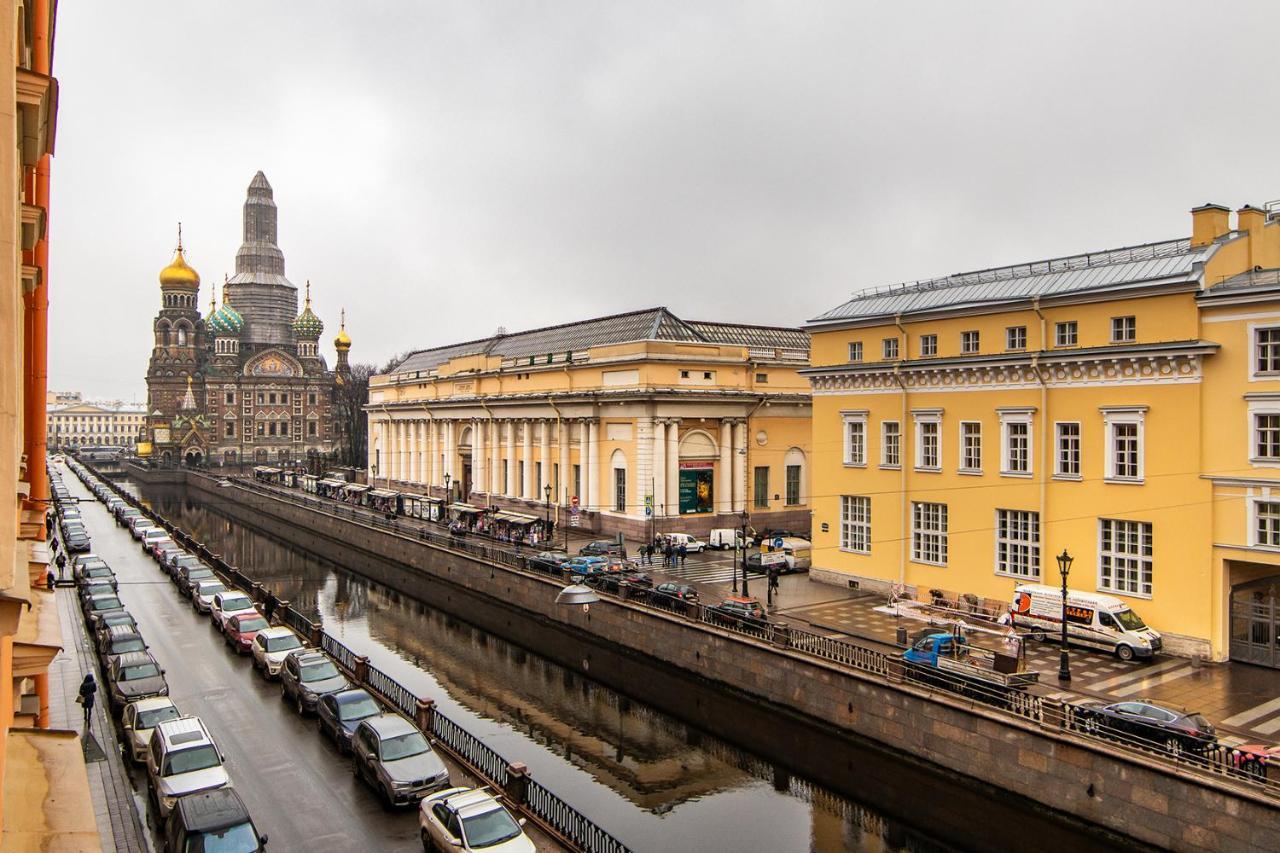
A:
(355, 695)
(740, 599)
(134, 658)
(184, 731)
(276, 631)
(475, 801)
(211, 810)
(389, 725)
(243, 616)
(114, 631)
(308, 657)
(151, 703)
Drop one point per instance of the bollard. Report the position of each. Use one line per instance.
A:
(902, 635)
(426, 714)
(316, 634)
(361, 670)
(782, 634)
(517, 783)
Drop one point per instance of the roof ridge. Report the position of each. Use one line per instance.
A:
(747, 326)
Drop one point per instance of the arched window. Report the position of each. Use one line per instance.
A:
(618, 462)
(181, 335)
(795, 475)
(162, 333)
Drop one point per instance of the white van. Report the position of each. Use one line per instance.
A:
(1093, 619)
(692, 544)
(725, 538)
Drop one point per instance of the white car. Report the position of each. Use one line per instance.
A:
(271, 647)
(470, 819)
(231, 602)
(138, 720)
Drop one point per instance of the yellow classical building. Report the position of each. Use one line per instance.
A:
(1123, 405)
(637, 423)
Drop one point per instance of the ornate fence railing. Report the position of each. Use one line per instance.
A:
(568, 822)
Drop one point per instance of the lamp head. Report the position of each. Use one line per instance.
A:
(1064, 563)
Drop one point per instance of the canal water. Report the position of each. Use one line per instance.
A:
(651, 780)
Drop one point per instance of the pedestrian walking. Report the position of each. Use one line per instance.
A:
(48, 524)
(669, 556)
(50, 580)
(682, 552)
(61, 562)
(53, 543)
(87, 690)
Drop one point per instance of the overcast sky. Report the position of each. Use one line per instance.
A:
(442, 169)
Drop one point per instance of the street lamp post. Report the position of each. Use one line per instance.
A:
(546, 529)
(745, 518)
(1064, 661)
(448, 495)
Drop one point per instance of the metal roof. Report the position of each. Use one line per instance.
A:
(1248, 280)
(1168, 261)
(652, 324)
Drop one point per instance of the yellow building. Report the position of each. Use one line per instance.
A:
(643, 421)
(1123, 405)
(84, 424)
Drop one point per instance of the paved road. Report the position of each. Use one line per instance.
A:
(301, 793)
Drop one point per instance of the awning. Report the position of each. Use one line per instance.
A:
(382, 493)
(424, 498)
(515, 518)
(467, 509)
(310, 477)
(355, 488)
(336, 484)
(263, 469)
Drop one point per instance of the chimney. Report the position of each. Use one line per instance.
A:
(1250, 219)
(1208, 223)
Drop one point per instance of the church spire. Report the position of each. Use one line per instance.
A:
(259, 253)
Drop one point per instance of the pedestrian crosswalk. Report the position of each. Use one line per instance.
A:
(701, 572)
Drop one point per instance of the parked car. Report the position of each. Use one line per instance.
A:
(230, 603)
(1101, 621)
(140, 525)
(338, 715)
(80, 560)
(211, 821)
(1176, 730)
(548, 561)
(203, 592)
(692, 544)
(242, 628)
(76, 542)
(600, 547)
(159, 544)
(153, 536)
(133, 676)
(170, 560)
(164, 555)
(615, 581)
(724, 538)
(678, 596)
(392, 755)
(100, 586)
(761, 536)
(585, 565)
(182, 759)
(100, 605)
(185, 561)
(270, 647)
(739, 612)
(470, 819)
(189, 575)
(120, 640)
(108, 621)
(307, 675)
(97, 573)
(138, 720)
(126, 516)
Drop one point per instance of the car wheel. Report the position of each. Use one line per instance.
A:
(428, 846)
(284, 692)
(1038, 635)
(1124, 652)
(1173, 746)
(302, 709)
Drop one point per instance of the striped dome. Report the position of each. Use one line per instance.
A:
(226, 321)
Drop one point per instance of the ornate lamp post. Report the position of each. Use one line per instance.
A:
(1064, 662)
(744, 518)
(448, 495)
(546, 529)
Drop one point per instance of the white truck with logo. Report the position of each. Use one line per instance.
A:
(1093, 619)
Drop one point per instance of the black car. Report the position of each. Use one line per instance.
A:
(548, 561)
(76, 542)
(1172, 728)
(739, 612)
(603, 548)
(674, 596)
(338, 714)
(211, 820)
(615, 581)
(307, 675)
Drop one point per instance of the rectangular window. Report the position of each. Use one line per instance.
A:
(1017, 458)
(229, 429)
(1015, 337)
(855, 524)
(855, 440)
(1124, 330)
(1266, 345)
(928, 445)
(619, 489)
(311, 427)
(855, 351)
(231, 398)
(793, 485)
(261, 398)
(271, 428)
(1267, 524)
(284, 399)
(284, 427)
(928, 345)
(1124, 556)
(1125, 451)
(969, 342)
(1018, 543)
(271, 398)
(577, 482)
(311, 398)
(1067, 456)
(262, 427)
(929, 533)
(970, 446)
(762, 378)
(890, 444)
(760, 487)
(1065, 334)
(890, 349)
(1266, 436)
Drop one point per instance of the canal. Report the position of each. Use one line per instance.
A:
(654, 781)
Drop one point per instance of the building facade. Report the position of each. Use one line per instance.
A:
(636, 423)
(111, 424)
(247, 382)
(44, 788)
(1122, 405)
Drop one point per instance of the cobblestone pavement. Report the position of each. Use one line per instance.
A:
(115, 805)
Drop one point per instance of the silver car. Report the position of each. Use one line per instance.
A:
(271, 647)
(394, 756)
(138, 720)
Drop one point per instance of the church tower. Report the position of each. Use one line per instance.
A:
(259, 290)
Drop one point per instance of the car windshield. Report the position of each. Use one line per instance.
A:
(489, 828)
(195, 573)
(404, 746)
(150, 719)
(319, 671)
(118, 619)
(109, 602)
(238, 602)
(240, 838)
(255, 623)
(358, 709)
(211, 589)
(188, 560)
(283, 643)
(130, 644)
(191, 760)
(1129, 620)
(141, 670)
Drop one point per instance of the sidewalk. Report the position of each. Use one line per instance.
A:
(115, 806)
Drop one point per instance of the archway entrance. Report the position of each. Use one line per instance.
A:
(192, 457)
(1255, 622)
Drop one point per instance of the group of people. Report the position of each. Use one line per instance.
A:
(672, 555)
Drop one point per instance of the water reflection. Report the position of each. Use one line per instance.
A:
(652, 780)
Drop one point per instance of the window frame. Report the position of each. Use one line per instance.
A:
(889, 349)
(1058, 471)
(928, 346)
(921, 420)
(1126, 416)
(1255, 526)
(1145, 562)
(855, 527)
(790, 499)
(1010, 343)
(855, 352)
(1023, 418)
(896, 445)
(1063, 329)
(1030, 543)
(854, 454)
(918, 511)
(970, 342)
(1260, 407)
(1127, 328)
(965, 467)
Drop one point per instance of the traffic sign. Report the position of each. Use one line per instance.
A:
(648, 505)
(773, 558)
(777, 542)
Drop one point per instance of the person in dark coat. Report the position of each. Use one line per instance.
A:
(61, 562)
(88, 688)
(48, 523)
(682, 552)
(669, 556)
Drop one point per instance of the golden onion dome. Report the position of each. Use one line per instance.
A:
(179, 273)
(343, 340)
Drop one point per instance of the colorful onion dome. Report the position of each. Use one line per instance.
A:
(308, 325)
(179, 273)
(226, 321)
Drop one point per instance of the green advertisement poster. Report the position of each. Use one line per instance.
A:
(696, 490)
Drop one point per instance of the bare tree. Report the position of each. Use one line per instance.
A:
(350, 398)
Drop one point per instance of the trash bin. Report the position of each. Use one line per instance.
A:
(902, 635)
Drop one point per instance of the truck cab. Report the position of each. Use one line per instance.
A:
(930, 647)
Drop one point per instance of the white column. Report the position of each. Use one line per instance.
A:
(544, 457)
(448, 451)
(584, 464)
(423, 471)
(415, 452)
(526, 484)
(740, 465)
(380, 456)
(593, 450)
(562, 439)
(478, 466)
(724, 470)
(432, 464)
(513, 488)
(393, 452)
(673, 466)
(659, 451)
(493, 437)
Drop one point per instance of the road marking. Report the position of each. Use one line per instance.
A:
(1253, 713)
(1147, 683)
(1142, 672)
(1269, 727)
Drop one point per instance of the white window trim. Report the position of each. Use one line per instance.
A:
(884, 349)
(960, 449)
(1075, 343)
(1025, 339)
(846, 418)
(1098, 577)
(884, 447)
(929, 416)
(1251, 369)
(1039, 544)
(1266, 497)
(1124, 415)
(945, 534)
(932, 338)
(861, 352)
(1017, 416)
(1058, 473)
(964, 350)
(843, 547)
(1262, 405)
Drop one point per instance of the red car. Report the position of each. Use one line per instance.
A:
(242, 628)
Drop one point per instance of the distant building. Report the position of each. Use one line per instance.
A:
(62, 398)
(641, 422)
(247, 383)
(87, 424)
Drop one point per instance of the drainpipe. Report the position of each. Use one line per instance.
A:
(902, 477)
(1044, 427)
